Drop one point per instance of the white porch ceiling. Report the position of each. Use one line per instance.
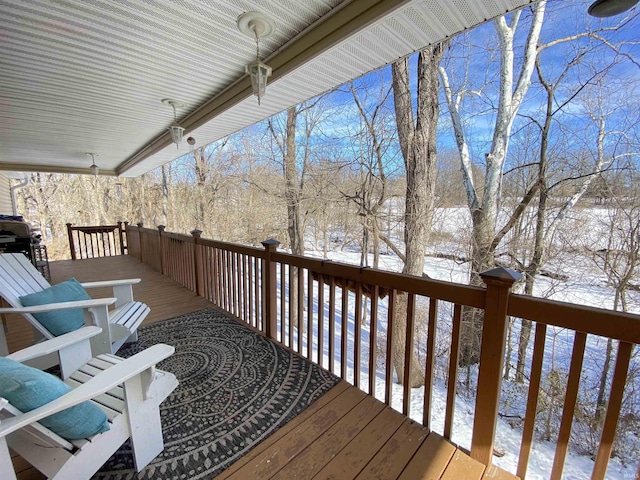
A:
(82, 76)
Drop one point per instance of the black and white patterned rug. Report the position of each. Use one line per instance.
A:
(236, 388)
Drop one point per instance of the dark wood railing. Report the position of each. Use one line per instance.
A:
(96, 241)
(303, 303)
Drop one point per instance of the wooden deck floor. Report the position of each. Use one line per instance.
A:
(344, 435)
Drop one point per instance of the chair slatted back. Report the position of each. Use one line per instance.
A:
(19, 277)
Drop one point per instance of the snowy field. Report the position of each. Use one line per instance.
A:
(585, 285)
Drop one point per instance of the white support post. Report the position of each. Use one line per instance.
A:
(101, 343)
(144, 422)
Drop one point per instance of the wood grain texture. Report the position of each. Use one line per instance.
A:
(345, 436)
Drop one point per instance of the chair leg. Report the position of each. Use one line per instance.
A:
(101, 343)
(144, 422)
(6, 466)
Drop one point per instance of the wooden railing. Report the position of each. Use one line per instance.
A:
(96, 241)
(304, 304)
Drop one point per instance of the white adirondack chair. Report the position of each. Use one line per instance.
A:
(129, 391)
(18, 277)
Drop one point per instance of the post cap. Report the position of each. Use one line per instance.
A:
(501, 274)
(270, 243)
(196, 233)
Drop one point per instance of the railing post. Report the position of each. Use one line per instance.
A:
(71, 245)
(126, 237)
(197, 262)
(140, 225)
(122, 247)
(161, 242)
(494, 335)
(269, 289)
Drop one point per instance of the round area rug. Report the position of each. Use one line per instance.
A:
(236, 388)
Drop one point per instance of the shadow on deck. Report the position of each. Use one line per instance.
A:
(345, 434)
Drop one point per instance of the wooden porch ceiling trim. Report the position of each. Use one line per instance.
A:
(24, 167)
(320, 37)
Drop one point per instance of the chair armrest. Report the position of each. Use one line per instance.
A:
(51, 307)
(111, 283)
(101, 383)
(55, 344)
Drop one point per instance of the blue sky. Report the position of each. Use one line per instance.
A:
(471, 52)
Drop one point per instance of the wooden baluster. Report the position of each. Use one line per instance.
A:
(72, 247)
(310, 316)
(344, 332)
(388, 380)
(252, 318)
(570, 399)
(217, 277)
(162, 249)
(430, 363)
(452, 383)
(121, 232)
(408, 354)
(140, 248)
(301, 323)
(226, 288)
(320, 320)
(532, 399)
(283, 323)
(198, 270)
(269, 288)
(373, 340)
(613, 410)
(494, 336)
(259, 303)
(292, 344)
(246, 317)
(332, 324)
(357, 337)
(237, 283)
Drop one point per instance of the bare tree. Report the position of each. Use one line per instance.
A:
(417, 136)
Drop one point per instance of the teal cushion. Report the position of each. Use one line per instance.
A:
(61, 321)
(28, 388)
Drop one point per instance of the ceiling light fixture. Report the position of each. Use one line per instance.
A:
(609, 8)
(93, 168)
(258, 26)
(175, 129)
(191, 142)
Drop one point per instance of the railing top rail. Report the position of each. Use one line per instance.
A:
(177, 236)
(233, 247)
(95, 229)
(143, 229)
(447, 291)
(592, 320)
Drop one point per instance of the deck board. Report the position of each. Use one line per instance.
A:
(343, 435)
(331, 442)
(431, 459)
(354, 457)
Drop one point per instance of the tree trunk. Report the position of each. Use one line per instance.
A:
(293, 192)
(418, 146)
(165, 195)
(293, 195)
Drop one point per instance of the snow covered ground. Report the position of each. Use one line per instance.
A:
(585, 285)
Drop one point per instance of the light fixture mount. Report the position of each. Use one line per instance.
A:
(609, 8)
(176, 130)
(93, 168)
(258, 26)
